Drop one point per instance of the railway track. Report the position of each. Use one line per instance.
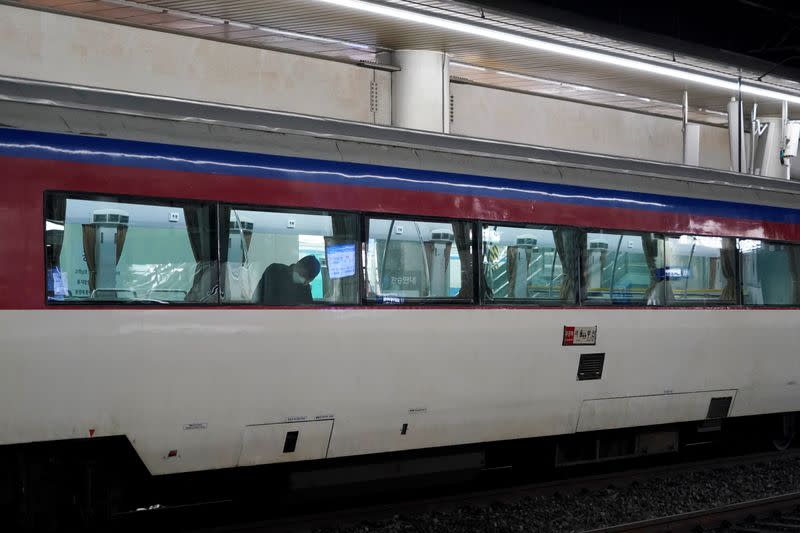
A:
(767, 515)
(507, 495)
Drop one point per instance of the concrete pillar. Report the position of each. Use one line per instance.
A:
(691, 136)
(691, 144)
(421, 90)
(738, 142)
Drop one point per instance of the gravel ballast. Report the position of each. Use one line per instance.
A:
(662, 495)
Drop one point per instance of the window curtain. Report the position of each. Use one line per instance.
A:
(248, 237)
(712, 271)
(728, 262)
(512, 252)
(492, 252)
(463, 237)
(89, 240)
(219, 270)
(659, 292)
(794, 267)
(122, 232)
(606, 273)
(569, 242)
(56, 213)
(54, 241)
(205, 283)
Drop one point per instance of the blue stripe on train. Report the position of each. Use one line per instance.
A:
(66, 147)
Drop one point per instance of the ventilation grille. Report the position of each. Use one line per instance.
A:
(373, 97)
(591, 366)
(111, 217)
(245, 226)
(442, 236)
(452, 108)
(718, 407)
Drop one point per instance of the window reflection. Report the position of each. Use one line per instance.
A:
(701, 269)
(107, 250)
(529, 263)
(624, 268)
(413, 259)
(770, 273)
(104, 249)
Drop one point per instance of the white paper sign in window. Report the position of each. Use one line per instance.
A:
(59, 282)
(341, 260)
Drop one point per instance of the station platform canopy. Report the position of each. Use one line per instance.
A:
(485, 47)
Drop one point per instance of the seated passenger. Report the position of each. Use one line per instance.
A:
(287, 285)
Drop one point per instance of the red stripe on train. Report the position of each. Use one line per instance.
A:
(25, 181)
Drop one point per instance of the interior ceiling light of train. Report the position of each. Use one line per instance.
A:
(485, 47)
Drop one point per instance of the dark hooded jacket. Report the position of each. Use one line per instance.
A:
(278, 288)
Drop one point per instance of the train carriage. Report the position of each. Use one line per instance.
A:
(470, 292)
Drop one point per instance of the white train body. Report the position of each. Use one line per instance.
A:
(202, 387)
(223, 387)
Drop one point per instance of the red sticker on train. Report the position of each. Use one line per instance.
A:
(579, 336)
(569, 336)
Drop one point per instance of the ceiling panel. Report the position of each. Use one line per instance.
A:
(321, 28)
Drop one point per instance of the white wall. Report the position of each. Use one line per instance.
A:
(52, 47)
(715, 147)
(525, 118)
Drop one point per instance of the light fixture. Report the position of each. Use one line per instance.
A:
(467, 65)
(582, 88)
(731, 85)
(522, 76)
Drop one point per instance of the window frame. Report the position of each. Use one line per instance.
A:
(610, 302)
(737, 262)
(418, 301)
(740, 265)
(521, 302)
(131, 199)
(358, 216)
(361, 237)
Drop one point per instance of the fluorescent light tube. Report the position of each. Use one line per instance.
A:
(467, 65)
(556, 48)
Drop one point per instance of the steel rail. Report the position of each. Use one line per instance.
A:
(708, 518)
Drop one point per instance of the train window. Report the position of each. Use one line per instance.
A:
(770, 273)
(701, 269)
(413, 260)
(623, 268)
(283, 258)
(105, 249)
(529, 263)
